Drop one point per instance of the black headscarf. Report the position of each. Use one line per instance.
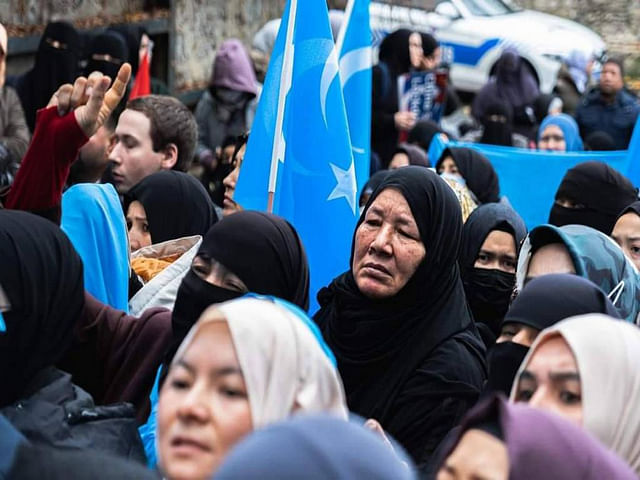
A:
(132, 34)
(263, 250)
(41, 274)
(634, 207)
(600, 191)
(422, 133)
(176, 204)
(497, 124)
(545, 301)
(379, 343)
(111, 44)
(599, 141)
(53, 68)
(489, 291)
(394, 51)
(429, 44)
(477, 171)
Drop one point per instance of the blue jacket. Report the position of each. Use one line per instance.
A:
(616, 119)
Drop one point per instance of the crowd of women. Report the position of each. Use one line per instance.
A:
(166, 332)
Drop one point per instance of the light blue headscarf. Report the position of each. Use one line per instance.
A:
(93, 220)
(569, 129)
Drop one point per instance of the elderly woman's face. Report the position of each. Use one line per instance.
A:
(388, 248)
(203, 409)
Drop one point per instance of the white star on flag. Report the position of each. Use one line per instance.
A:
(346, 186)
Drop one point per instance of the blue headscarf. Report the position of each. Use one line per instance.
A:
(595, 257)
(569, 129)
(325, 447)
(93, 220)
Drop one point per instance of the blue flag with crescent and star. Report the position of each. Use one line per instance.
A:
(299, 163)
(354, 52)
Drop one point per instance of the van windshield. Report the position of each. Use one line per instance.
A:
(488, 8)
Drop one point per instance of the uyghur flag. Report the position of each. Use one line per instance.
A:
(299, 162)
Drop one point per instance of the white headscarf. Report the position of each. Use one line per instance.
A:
(284, 367)
(607, 352)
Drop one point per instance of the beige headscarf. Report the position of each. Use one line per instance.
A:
(3, 49)
(284, 367)
(607, 352)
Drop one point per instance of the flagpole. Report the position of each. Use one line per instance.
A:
(286, 75)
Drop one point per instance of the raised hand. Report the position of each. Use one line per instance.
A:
(91, 99)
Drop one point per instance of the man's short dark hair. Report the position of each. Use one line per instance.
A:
(616, 61)
(171, 122)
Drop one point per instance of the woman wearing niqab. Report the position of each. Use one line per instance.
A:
(412, 359)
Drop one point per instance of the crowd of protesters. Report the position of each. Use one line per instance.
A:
(150, 327)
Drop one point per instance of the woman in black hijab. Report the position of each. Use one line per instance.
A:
(245, 252)
(41, 301)
(491, 240)
(497, 124)
(56, 64)
(545, 301)
(107, 53)
(626, 232)
(592, 194)
(395, 60)
(397, 321)
(176, 205)
(422, 134)
(478, 173)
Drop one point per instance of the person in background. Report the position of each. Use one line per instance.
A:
(496, 128)
(229, 205)
(543, 302)
(514, 83)
(228, 106)
(56, 64)
(592, 194)
(473, 169)
(501, 440)
(107, 53)
(599, 142)
(14, 133)
(569, 371)
(573, 81)
(559, 133)
(422, 134)
(245, 364)
(610, 107)
(406, 155)
(491, 241)
(400, 51)
(626, 232)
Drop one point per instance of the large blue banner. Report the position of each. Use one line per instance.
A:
(529, 179)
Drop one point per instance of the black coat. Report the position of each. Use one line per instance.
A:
(56, 413)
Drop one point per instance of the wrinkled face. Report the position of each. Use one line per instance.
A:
(478, 455)
(551, 380)
(518, 333)
(448, 165)
(132, 155)
(215, 273)
(626, 233)
(552, 139)
(229, 182)
(498, 252)
(203, 409)
(415, 50)
(138, 226)
(388, 248)
(611, 81)
(400, 159)
(552, 258)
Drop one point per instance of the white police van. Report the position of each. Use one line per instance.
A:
(473, 34)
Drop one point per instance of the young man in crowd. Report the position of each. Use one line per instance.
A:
(154, 133)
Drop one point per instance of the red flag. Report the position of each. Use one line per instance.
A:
(142, 84)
